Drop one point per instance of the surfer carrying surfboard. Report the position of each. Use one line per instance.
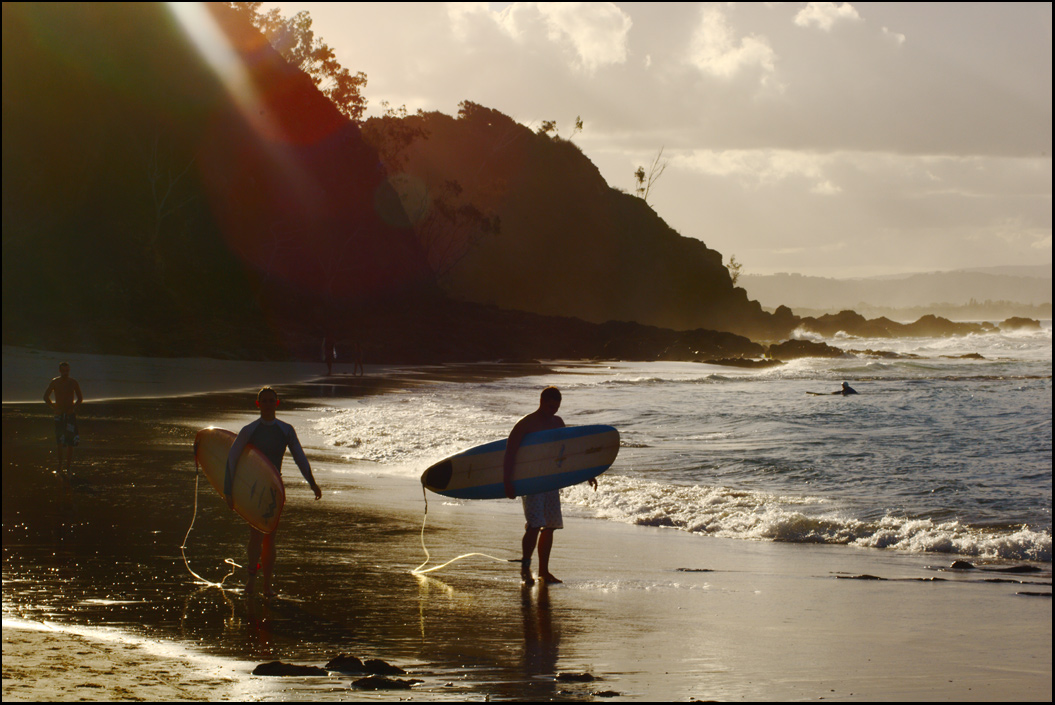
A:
(541, 511)
(271, 437)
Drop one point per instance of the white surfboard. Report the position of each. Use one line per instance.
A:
(546, 460)
(259, 494)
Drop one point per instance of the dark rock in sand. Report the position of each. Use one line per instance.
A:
(964, 565)
(575, 677)
(863, 576)
(968, 356)
(606, 694)
(379, 667)
(277, 668)
(383, 683)
(346, 664)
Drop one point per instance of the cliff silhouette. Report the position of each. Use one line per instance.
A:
(157, 203)
(569, 244)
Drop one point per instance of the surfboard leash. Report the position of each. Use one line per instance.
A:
(419, 571)
(183, 546)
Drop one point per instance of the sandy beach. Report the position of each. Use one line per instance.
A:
(98, 603)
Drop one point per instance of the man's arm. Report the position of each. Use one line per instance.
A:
(47, 394)
(77, 394)
(297, 451)
(510, 459)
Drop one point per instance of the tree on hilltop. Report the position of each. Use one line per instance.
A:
(296, 42)
(645, 180)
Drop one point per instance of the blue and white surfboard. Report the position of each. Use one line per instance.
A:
(546, 460)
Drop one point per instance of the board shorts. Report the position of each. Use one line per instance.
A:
(66, 434)
(542, 511)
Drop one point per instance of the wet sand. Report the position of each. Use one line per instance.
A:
(651, 614)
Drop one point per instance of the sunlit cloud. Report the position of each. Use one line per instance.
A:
(824, 15)
(716, 50)
(761, 166)
(896, 37)
(596, 32)
(462, 15)
(826, 188)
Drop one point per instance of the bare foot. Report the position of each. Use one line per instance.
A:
(250, 584)
(525, 575)
(550, 578)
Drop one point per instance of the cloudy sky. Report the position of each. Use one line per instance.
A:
(833, 139)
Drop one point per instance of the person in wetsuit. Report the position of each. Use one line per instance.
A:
(271, 437)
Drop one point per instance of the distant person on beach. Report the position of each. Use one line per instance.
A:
(329, 353)
(67, 402)
(541, 511)
(357, 371)
(271, 437)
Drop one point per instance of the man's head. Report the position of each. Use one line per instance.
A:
(64, 369)
(549, 400)
(267, 402)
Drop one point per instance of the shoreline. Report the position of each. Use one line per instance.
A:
(652, 613)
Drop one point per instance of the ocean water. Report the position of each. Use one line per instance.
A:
(938, 453)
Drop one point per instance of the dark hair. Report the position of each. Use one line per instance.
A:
(266, 389)
(550, 393)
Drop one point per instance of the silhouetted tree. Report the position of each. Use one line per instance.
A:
(163, 174)
(392, 134)
(735, 268)
(647, 179)
(294, 39)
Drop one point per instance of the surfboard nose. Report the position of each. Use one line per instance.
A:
(438, 476)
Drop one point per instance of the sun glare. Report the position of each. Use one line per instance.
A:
(215, 48)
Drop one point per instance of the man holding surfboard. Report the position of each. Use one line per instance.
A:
(541, 511)
(271, 437)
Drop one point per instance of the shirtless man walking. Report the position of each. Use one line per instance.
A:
(541, 511)
(68, 400)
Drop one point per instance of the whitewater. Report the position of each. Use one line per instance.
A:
(946, 448)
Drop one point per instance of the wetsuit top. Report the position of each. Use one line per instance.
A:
(271, 439)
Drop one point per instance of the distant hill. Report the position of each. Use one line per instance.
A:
(963, 293)
(568, 244)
